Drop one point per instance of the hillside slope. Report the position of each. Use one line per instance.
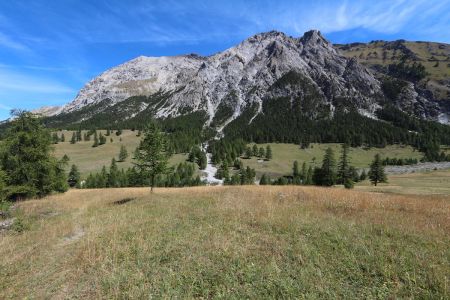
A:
(272, 65)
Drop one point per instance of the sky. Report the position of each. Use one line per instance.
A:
(49, 49)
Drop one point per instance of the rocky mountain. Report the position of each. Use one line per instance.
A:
(272, 65)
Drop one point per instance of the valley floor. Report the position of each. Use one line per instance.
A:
(229, 242)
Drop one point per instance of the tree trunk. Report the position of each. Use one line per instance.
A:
(152, 184)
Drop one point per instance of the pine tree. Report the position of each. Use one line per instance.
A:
(303, 173)
(376, 173)
(309, 176)
(74, 176)
(95, 140)
(63, 138)
(262, 152)
(151, 155)
(202, 160)
(25, 156)
(263, 180)
(108, 132)
(79, 135)
(248, 152)
(73, 140)
(55, 138)
(328, 169)
(119, 132)
(123, 154)
(113, 176)
(101, 139)
(268, 152)
(363, 175)
(295, 170)
(343, 173)
(255, 150)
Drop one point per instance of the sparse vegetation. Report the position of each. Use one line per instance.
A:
(238, 242)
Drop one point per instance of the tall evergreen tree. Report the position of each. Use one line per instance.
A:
(151, 154)
(263, 180)
(343, 172)
(376, 173)
(25, 157)
(309, 176)
(123, 154)
(73, 140)
(55, 138)
(63, 138)
(255, 150)
(262, 152)
(113, 176)
(74, 176)
(96, 142)
(268, 152)
(328, 169)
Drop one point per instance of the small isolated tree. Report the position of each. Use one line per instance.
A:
(263, 180)
(63, 138)
(268, 152)
(96, 142)
(73, 140)
(74, 176)
(101, 139)
(363, 175)
(376, 173)
(151, 154)
(123, 154)
(55, 138)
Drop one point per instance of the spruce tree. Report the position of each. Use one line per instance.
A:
(113, 176)
(248, 152)
(73, 140)
(79, 135)
(26, 159)
(123, 154)
(95, 140)
(295, 169)
(303, 173)
(202, 160)
(363, 175)
(108, 132)
(263, 180)
(268, 152)
(255, 150)
(63, 138)
(343, 173)
(376, 173)
(309, 176)
(151, 154)
(101, 139)
(74, 176)
(55, 138)
(328, 169)
(262, 152)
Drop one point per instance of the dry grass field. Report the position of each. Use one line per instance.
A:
(228, 242)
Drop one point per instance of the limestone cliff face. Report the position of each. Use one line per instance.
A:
(266, 65)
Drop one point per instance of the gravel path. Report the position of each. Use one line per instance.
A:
(420, 167)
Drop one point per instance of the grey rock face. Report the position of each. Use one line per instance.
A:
(241, 76)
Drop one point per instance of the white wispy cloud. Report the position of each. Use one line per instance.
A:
(8, 42)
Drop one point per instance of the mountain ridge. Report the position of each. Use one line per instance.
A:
(242, 76)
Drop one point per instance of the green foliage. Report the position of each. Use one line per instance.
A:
(26, 159)
(376, 173)
(414, 71)
(326, 175)
(151, 154)
(74, 177)
(343, 172)
(123, 154)
(198, 156)
(264, 180)
(392, 87)
(268, 152)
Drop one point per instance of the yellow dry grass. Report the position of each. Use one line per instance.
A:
(249, 241)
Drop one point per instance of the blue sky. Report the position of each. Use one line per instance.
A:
(49, 49)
